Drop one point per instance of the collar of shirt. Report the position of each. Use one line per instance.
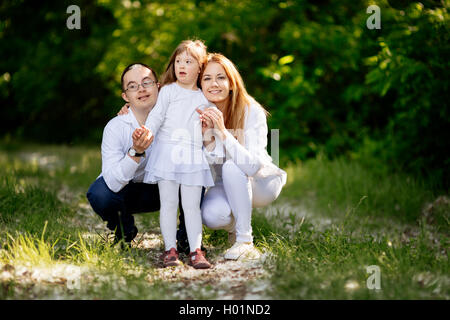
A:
(130, 118)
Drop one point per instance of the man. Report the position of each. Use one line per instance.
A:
(119, 192)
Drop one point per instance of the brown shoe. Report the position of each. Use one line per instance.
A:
(198, 261)
(170, 258)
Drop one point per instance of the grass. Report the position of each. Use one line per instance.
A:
(332, 220)
(336, 186)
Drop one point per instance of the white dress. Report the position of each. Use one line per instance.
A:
(177, 153)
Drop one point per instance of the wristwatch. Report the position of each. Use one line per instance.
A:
(133, 153)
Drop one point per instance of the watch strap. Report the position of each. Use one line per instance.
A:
(136, 154)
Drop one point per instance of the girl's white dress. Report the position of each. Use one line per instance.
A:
(177, 152)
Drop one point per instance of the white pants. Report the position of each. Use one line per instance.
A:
(228, 205)
(190, 200)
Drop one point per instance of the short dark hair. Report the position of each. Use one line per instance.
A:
(131, 66)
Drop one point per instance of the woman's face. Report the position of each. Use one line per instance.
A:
(215, 83)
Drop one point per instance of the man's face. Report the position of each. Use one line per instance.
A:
(135, 93)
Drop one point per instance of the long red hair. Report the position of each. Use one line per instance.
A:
(238, 100)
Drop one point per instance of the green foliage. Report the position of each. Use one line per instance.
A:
(54, 92)
(332, 85)
(411, 67)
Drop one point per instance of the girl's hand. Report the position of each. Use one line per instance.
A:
(206, 122)
(207, 126)
(216, 117)
(124, 109)
(142, 139)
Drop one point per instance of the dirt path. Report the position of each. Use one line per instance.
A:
(226, 280)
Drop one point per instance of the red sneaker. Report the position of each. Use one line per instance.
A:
(198, 261)
(170, 258)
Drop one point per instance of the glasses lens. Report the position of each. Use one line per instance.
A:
(148, 83)
(132, 87)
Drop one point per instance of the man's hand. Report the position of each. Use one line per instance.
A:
(142, 139)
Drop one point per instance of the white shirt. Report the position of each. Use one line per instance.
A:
(252, 158)
(177, 152)
(118, 169)
(174, 119)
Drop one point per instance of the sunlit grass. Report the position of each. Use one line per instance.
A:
(333, 219)
(28, 250)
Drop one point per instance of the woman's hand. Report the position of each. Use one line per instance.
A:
(124, 110)
(207, 127)
(215, 116)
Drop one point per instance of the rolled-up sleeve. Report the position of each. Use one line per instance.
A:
(117, 167)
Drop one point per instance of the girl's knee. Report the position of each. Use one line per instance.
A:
(170, 203)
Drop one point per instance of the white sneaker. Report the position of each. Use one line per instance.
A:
(242, 250)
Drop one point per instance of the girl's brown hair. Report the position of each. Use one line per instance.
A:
(195, 48)
(238, 99)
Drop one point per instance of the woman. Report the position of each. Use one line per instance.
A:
(243, 172)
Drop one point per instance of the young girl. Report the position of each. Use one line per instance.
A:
(177, 161)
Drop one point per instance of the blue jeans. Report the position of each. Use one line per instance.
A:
(117, 208)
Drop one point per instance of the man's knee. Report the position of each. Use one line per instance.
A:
(101, 197)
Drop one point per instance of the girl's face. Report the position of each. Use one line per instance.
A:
(215, 83)
(186, 68)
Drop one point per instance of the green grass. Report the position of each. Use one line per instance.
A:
(332, 220)
(334, 187)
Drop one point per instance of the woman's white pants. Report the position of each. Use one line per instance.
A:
(228, 205)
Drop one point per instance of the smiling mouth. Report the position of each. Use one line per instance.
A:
(144, 97)
(215, 91)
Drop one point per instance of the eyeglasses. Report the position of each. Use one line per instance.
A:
(146, 83)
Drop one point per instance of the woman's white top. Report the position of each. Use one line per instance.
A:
(177, 153)
(118, 169)
(252, 157)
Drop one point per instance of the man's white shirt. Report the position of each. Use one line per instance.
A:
(118, 169)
